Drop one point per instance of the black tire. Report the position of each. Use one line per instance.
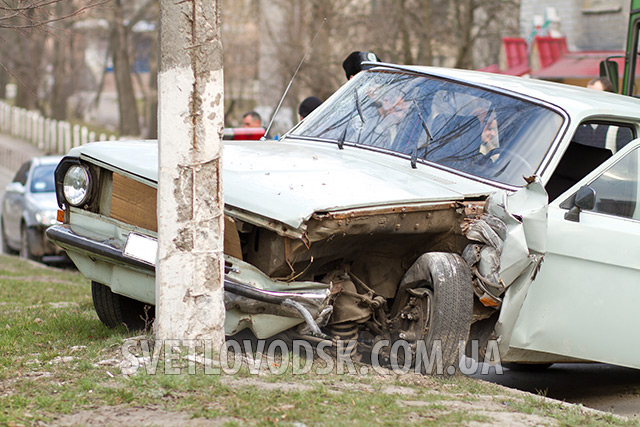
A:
(6, 249)
(115, 310)
(526, 367)
(25, 244)
(448, 304)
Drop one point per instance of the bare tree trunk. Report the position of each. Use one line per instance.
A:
(129, 121)
(425, 53)
(407, 56)
(465, 21)
(321, 84)
(59, 89)
(59, 92)
(29, 68)
(189, 273)
(4, 79)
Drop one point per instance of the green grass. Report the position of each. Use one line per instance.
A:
(57, 359)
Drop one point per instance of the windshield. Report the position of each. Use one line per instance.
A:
(471, 129)
(42, 180)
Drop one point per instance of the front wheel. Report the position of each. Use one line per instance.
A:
(114, 310)
(6, 249)
(25, 244)
(434, 309)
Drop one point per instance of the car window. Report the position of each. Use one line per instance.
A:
(591, 145)
(472, 129)
(21, 175)
(617, 188)
(42, 179)
(604, 135)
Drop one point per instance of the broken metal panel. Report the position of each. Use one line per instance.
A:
(263, 222)
(390, 232)
(511, 305)
(502, 253)
(262, 325)
(408, 219)
(524, 212)
(531, 205)
(247, 274)
(265, 319)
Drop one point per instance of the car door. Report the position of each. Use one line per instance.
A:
(584, 301)
(13, 203)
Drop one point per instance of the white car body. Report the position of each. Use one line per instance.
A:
(569, 288)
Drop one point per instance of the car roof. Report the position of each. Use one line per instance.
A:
(577, 101)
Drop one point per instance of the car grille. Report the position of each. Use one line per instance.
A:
(134, 202)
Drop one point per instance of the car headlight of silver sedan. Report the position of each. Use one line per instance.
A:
(46, 217)
(76, 185)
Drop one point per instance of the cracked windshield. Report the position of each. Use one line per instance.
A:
(470, 129)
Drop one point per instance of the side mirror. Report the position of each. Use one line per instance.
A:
(585, 199)
(609, 69)
(15, 187)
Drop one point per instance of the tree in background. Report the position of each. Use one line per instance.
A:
(463, 34)
(28, 29)
(84, 49)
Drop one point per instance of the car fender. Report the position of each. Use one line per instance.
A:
(525, 214)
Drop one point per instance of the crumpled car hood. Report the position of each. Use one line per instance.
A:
(290, 180)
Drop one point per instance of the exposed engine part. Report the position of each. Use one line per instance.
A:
(349, 305)
(381, 273)
(412, 320)
(347, 333)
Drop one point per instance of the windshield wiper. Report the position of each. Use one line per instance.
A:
(414, 154)
(344, 133)
(358, 106)
(346, 126)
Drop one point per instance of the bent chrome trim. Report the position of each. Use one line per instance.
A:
(66, 237)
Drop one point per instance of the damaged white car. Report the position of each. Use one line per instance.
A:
(411, 205)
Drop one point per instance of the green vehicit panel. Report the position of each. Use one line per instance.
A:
(629, 84)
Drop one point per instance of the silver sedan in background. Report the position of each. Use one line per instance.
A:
(28, 207)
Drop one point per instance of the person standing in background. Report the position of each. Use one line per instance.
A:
(352, 64)
(251, 120)
(309, 104)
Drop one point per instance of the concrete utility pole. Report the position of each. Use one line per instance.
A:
(189, 272)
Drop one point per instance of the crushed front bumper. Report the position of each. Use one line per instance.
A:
(253, 300)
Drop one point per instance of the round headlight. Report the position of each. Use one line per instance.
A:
(76, 185)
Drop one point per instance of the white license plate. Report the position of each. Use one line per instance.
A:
(141, 247)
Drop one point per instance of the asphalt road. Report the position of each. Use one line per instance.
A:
(604, 387)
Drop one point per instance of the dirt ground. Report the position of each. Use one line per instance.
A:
(496, 408)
